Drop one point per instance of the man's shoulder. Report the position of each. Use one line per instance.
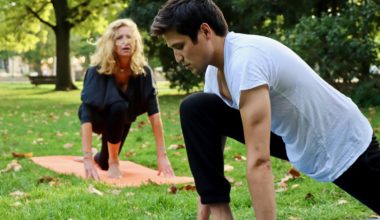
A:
(239, 41)
(237, 45)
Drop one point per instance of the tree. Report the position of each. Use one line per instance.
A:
(83, 47)
(44, 49)
(22, 19)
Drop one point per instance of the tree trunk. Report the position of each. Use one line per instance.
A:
(64, 79)
(62, 33)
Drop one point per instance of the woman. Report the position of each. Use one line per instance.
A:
(117, 88)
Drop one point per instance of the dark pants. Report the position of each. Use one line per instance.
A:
(113, 126)
(362, 179)
(206, 121)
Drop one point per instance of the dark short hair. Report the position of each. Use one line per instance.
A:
(186, 17)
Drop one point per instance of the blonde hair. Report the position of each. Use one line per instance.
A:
(105, 56)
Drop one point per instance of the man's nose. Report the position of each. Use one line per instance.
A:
(178, 57)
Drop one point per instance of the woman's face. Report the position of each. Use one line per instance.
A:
(125, 42)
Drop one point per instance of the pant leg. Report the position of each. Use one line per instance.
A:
(206, 120)
(233, 128)
(115, 130)
(362, 179)
(101, 158)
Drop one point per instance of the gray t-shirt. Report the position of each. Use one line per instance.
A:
(323, 130)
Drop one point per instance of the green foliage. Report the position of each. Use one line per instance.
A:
(26, 17)
(367, 93)
(19, 31)
(100, 14)
(22, 31)
(82, 47)
(340, 48)
(44, 50)
(143, 12)
(22, 18)
(332, 36)
(183, 79)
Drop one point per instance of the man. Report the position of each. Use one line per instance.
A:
(254, 86)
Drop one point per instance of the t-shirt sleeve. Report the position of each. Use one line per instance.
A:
(150, 87)
(256, 71)
(250, 68)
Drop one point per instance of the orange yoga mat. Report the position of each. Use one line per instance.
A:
(133, 174)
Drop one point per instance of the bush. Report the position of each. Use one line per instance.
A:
(340, 48)
(366, 93)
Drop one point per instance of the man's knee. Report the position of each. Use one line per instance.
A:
(187, 105)
(198, 102)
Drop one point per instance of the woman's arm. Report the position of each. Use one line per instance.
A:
(163, 162)
(89, 165)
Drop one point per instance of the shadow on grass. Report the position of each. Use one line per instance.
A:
(39, 90)
(31, 89)
(44, 92)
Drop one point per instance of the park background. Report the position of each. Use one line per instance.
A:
(339, 39)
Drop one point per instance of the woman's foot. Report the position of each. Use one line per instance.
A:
(114, 171)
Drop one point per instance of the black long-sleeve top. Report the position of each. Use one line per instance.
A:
(100, 91)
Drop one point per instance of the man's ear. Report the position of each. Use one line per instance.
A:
(206, 30)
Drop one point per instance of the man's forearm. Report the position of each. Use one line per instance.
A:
(261, 186)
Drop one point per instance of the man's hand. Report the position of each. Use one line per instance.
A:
(90, 169)
(164, 166)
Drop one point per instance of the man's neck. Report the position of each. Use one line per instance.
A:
(219, 52)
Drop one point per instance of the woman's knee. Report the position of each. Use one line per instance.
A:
(118, 108)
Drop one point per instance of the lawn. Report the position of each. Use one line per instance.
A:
(44, 122)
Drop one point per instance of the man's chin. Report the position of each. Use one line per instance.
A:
(197, 71)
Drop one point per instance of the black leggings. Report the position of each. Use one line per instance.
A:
(113, 126)
(206, 121)
(362, 179)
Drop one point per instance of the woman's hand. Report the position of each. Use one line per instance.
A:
(90, 169)
(88, 161)
(164, 166)
(163, 163)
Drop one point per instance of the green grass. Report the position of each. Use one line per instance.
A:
(39, 120)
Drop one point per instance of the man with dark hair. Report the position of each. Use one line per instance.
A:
(261, 93)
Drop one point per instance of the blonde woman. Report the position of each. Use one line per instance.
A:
(117, 88)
